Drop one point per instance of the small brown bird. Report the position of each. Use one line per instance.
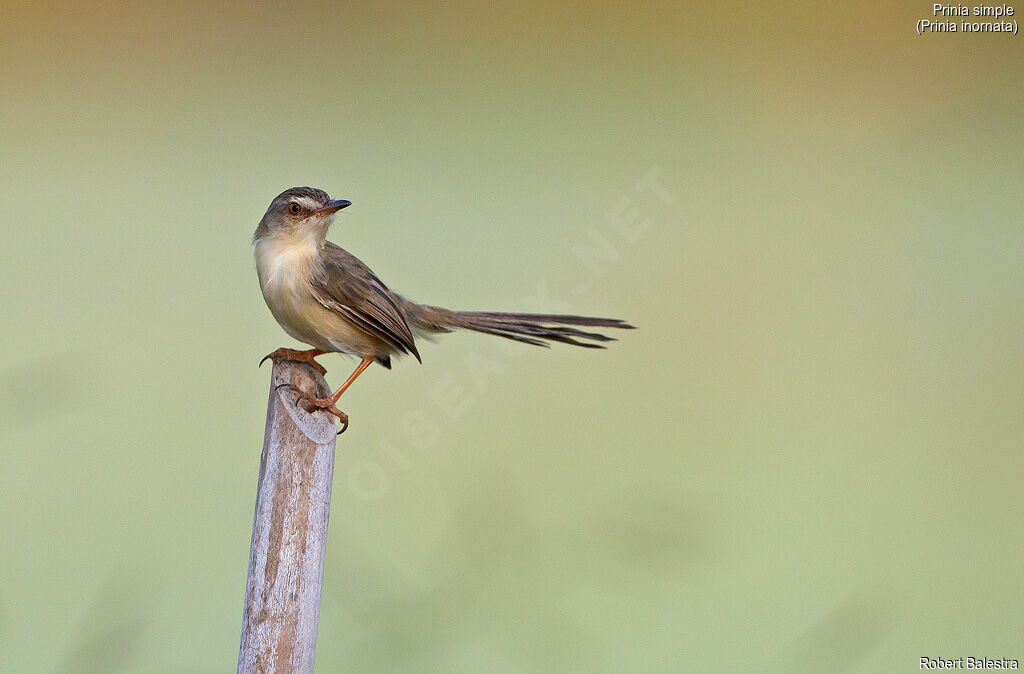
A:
(324, 296)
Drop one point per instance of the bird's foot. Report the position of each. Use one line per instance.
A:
(301, 356)
(326, 404)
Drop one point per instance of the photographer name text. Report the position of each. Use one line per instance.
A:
(969, 663)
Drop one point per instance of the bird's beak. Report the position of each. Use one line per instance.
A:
(333, 207)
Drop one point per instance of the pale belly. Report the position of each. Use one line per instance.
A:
(303, 317)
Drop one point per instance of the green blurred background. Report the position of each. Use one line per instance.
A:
(808, 458)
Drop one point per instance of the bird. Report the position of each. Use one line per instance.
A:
(327, 298)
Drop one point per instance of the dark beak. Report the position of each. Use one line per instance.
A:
(333, 206)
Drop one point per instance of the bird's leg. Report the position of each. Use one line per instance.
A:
(301, 356)
(329, 402)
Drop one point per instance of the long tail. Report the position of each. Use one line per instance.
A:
(538, 329)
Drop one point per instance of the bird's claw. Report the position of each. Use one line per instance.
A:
(325, 404)
(298, 356)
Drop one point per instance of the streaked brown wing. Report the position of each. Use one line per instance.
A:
(348, 287)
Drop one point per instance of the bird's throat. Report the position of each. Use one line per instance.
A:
(284, 263)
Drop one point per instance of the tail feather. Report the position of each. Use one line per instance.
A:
(536, 329)
(549, 318)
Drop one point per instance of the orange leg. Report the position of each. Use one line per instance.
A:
(329, 402)
(301, 356)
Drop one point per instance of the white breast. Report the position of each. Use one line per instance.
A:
(281, 264)
(283, 268)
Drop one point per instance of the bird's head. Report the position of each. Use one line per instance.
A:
(301, 213)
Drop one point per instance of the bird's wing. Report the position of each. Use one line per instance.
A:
(348, 287)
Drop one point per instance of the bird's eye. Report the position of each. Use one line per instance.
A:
(294, 208)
